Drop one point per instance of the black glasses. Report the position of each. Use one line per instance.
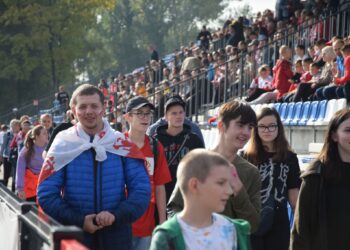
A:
(142, 115)
(270, 128)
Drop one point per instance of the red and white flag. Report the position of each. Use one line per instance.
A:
(70, 143)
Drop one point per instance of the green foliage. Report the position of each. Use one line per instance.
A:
(40, 41)
(44, 43)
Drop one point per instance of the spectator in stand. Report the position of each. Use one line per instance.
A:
(63, 98)
(46, 122)
(306, 90)
(341, 88)
(319, 45)
(269, 150)
(260, 84)
(282, 72)
(312, 53)
(295, 80)
(234, 36)
(300, 53)
(337, 46)
(154, 53)
(306, 76)
(204, 37)
(30, 162)
(323, 205)
(104, 88)
(139, 112)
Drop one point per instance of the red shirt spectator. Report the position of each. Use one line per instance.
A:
(282, 72)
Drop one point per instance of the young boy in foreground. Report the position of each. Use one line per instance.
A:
(204, 179)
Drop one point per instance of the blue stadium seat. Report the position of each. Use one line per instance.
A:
(283, 111)
(297, 114)
(289, 113)
(313, 113)
(277, 106)
(305, 113)
(321, 112)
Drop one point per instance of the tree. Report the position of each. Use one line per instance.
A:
(40, 43)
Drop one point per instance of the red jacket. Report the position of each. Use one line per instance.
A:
(346, 77)
(282, 72)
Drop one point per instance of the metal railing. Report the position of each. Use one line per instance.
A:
(35, 229)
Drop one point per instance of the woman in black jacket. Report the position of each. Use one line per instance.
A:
(322, 213)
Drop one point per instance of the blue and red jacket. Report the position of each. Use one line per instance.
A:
(90, 187)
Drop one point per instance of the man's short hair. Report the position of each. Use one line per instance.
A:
(14, 122)
(307, 60)
(236, 109)
(45, 115)
(197, 164)
(301, 46)
(86, 90)
(346, 48)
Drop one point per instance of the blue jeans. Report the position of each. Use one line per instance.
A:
(141, 243)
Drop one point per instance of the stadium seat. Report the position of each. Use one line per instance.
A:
(289, 113)
(297, 114)
(313, 113)
(277, 106)
(341, 103)
(331, 109)
(283, 111)
(321, 113)
(305, 114)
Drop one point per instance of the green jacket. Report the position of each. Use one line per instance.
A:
(168, 236)
(246, 205)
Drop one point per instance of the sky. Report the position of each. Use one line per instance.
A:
(257, 5)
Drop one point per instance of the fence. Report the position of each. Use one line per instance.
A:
(24, 227)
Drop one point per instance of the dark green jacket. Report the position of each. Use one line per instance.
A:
(168, 236)
(246, 205)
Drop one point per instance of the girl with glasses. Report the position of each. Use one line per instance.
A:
(269, 150)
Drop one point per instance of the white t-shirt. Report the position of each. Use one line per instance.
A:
(220, 235)
(261, 83)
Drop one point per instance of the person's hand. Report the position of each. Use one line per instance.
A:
(236, 182)
(89, 225)
(21, 195)
(313, 85)
(105, 218)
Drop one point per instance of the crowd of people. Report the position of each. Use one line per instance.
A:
(133, 177)
(154, 186)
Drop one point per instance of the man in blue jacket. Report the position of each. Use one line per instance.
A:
(93, 177)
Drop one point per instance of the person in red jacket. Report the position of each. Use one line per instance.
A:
(282, 72)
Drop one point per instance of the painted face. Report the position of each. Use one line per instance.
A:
(175, 116)
(42, 138)
(237, 134)
(89, 111)
(267, 129)
(342, 137)
(140, 119)
(217, 187)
